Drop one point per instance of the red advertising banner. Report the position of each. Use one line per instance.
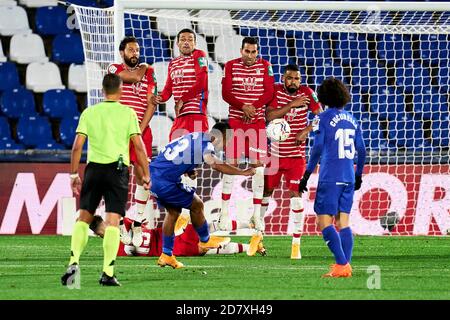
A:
(394, 199)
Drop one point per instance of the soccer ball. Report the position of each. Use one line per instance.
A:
(278, 130)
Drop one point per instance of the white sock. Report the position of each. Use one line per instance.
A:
(296, 212)
(227, 185)
(229, 248)
(258, 191)
(264, 207)
(140, 196)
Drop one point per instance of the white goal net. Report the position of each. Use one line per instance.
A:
(395, 62)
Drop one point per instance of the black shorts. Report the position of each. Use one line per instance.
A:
(104, 180)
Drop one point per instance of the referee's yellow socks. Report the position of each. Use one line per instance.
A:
(111, 241)
(79, 240)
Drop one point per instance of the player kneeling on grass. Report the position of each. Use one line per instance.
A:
(337, 136)
(182, 156)
(186, 241)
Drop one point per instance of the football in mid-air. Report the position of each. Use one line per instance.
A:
(278, 130)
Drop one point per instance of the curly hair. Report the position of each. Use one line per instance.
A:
(333, 93)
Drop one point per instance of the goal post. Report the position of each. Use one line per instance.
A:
(393, 56)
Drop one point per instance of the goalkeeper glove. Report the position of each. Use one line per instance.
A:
(302, 186)
(358, 182)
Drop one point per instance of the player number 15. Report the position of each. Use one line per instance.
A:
(345, 140)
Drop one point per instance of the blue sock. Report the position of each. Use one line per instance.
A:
(333, 242)
(167, 244)
(203, 232)
(347, 242)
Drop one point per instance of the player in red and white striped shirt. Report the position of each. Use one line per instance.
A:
(139, 86)
(291, 101)
(187, 81)
(247, 86)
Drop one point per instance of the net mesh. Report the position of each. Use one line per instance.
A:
(396, 65)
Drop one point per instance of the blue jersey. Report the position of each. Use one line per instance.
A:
(180, 156)
(337, 137)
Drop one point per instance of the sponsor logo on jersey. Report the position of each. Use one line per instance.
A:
(202, 62)
(249, 83)
(112, 69)
(314, 95)
(270, 71)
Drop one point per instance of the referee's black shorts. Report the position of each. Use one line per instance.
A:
(104, 180)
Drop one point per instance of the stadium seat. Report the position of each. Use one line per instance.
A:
(43, 76)
(326, 70)
(160, 126)
(85, 3)
(217, 108)
(368, 75)
(434, 48)
(411, 75)
(38, 3)
(17, 103)
(211, 29)
(155, 47)
(387, 103)
(170, 107)
(2, 55)
(13, 19)
(351, 47)
(67, 128)
(9, 76)
(77, 77)
(427, 102)
(394, 47)
(51, 20)
(201, 44)
(406, 133)
(227, 47)
(58, 104)
(373, 135)
(443, 76)
(26, 48)
(215, 74)
(161, 70)
(440, 133)
(4, 3)
(5, 131)
(10, 145)
(67, 48)
(253, 15)
(171, 26)
(312, 49)
(34, 131)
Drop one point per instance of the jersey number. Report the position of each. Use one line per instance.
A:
(345, 140)
(172, 153)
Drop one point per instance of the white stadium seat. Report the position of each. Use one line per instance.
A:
(171, 26)
(214, 29)
(8, 3)
(201, 44)
(13, 20)
(26, 48)
(215, 77)
(39, 3)
(43, 76)
(160, 126)
(217, 108)
(77, 77)
(161, 70)
(2, 55)
(227, 47)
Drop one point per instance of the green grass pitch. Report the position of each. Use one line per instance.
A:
(410, 268)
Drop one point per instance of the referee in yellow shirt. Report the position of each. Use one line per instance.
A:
(109, 126)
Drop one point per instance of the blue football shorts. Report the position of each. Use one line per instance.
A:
(334, 197)
(172, 194)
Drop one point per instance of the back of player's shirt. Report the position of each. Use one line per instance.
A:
(180, 156)
(339, 132)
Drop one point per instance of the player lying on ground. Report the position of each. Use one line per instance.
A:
(186, 241)
(181, 156)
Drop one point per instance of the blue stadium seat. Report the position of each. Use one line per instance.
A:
(85, 3)
(326, 70)
(387, 103)
(373, 135)
(253, 15)
(367, 75)
(312, 48)
(394, 47)
(34, 131)
(444, 76)
(9, 76)
(67, 48)
(411, 75)
(60, 104)
(155, 46)
(407, 134)
(351, 47)
(18, 103)
(440, 133)
(427, 102)
(10, 145)
(51, 20)
(67, 129)
(434, 48)
(5, 132)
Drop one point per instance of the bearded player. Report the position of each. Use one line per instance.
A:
(139, 86)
